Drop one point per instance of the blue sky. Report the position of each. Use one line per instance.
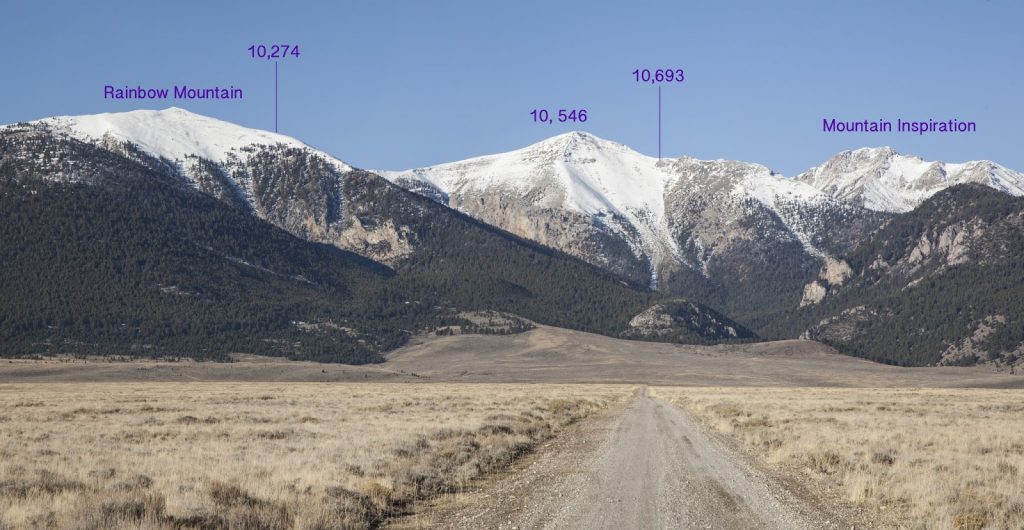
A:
(393, 85)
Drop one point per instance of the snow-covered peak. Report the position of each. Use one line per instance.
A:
(882, 179)
(577, 171)
(578, 141)
(173, 133)
(869, 152)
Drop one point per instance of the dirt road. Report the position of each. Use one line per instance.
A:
(651, 467)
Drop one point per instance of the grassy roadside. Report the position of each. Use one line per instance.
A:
(258, 456)
(935, 458)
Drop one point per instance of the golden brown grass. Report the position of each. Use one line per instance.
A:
(935, 458)
(260, 456)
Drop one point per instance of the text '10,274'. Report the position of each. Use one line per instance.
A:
(274, 51)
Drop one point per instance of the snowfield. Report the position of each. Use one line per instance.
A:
(175, 134)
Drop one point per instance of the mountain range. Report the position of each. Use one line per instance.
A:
(872, 252)
(734, 235)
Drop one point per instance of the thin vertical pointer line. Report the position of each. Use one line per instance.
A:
(275, 96)
(659, 122)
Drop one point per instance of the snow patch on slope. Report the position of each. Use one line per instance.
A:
(777, 192)
(771, 189)
(744, 181)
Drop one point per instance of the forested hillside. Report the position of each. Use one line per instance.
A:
(942, 284)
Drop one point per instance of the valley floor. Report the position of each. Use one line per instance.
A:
(550, 428)
(543, 355)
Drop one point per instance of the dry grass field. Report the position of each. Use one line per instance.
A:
(930, 458)
(155, 444)
(261, 456)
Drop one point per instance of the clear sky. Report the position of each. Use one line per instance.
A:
(394, 85)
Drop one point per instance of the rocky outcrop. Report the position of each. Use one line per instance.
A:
(832, 276)
(843, 327)
(950, 245)
(814, 292)
(680, 318)
(835, 271)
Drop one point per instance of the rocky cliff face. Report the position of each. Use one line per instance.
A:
(606, 241)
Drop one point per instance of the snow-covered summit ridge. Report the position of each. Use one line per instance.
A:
(600, 176)
(174, 133)
(882, 179)
(577, 170)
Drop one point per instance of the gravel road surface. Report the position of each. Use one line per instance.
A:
(649, 465)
